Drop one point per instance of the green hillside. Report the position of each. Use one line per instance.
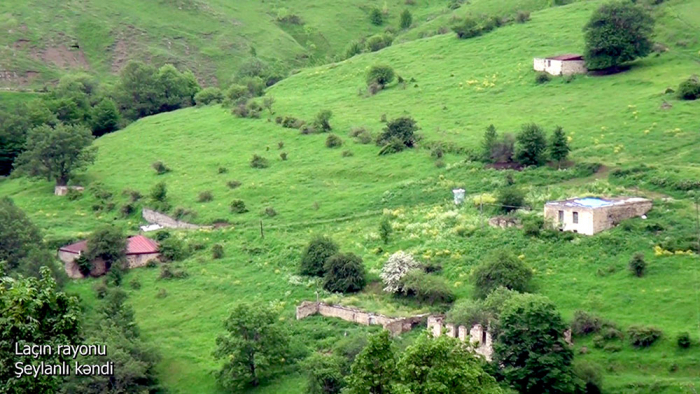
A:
(454, 89)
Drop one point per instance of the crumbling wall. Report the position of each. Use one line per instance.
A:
(166, 221)
(477, 335)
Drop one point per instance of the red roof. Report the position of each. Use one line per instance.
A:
(136, 245)
(566, 57)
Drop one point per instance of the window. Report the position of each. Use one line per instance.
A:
(575, 217)
(561, 216)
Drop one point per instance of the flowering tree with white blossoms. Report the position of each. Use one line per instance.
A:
(395, 269)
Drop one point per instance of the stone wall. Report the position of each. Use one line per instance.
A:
(140, 260)
(166, 221)
(477, 335)
(394, 325)
(63, 190)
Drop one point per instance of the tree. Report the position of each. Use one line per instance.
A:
(510, 198)
(393, 271)
(376, 17)
(530, 347)
(559, 146)
(385, 230)
(531, 145)
(314, 257)
(107, 243)
(501, 269)
(401, 129)
(406, 19)
(36, 259)
(489, 143)
(18, 235)
(178, 88)
(617, 33)
(138, 90)
(380, 74)
(344, 273)
(253, 344)
(35, 312)
(374, 367)
(56, 153)
(105, 117)
(268, 101)
(210, 95)
(324, 374)
(442, 365)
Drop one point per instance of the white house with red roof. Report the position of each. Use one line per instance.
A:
(561, 65)
(139, 251)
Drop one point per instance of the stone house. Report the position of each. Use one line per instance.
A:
(561, 65)
(592, 215)
(139, 251)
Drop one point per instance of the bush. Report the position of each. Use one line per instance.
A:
(542, 78)
(333, 141)
(347, 153)
(181, 212)
(314, 256)
(259, 162)
(167, 272)
(510, 198)
(637, 265)
(584, 323)
(400, 129)
(283, 156)
(406, 19)
(238, 206)
(361, 135)
(522, 16)
(217, 251)
(135, 284)
(344, 273)
(385, 230)
(162, 293)
(641, 336)
(353, 48)
(173, 249)
(84, 264)
(101, 290)
(73, 194)
(467, 28)
(379, 41)
(233, 184)
(591, 375)
(376, 17)
(683, 340)
(466, 312)
(291, 122)
(270, 211)
(501, 269)
(159, 193)
(205, 196)
(324, 374)
(236, 92)
(127, 209)
(396, 267)
(426, 288)
(322, 121)
(532, 225)
(689, 89)
(222, 170)
(208, 96)
(160, 167)
(380, 74)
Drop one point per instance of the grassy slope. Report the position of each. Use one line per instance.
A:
(587, 274)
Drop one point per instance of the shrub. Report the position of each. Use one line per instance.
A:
(217, 251)
(73, 194)
(259, 162)
(181, 212)
(159, 192)
(238, 206)
(683, 340)
(689, 89)
(162, 293)
(333, 141)
(283, 156)
(135, 284)
(134, 195)
(501, 269)
(402, 129)
(151, 264)
(439, 163)
(510, 198)
(585, 323)
(406, 19)
(641, 336)
(205, 196)
(542, 78)
(361, 135)
(466, 312)
(208, 96)
(385, 230)
(591, 375)
(160, 167)
(522, 16)
(347, 153)
(467, 27)
(395, 269)
(84, 264)
(173, 249)
(291, 122)
(322, 121)
(426, 288)
(637, 264)
(376, 17)
(167, 272)
(101, 290)
(344, 273)
(353, 48)
(236, 92)
(269, 211)
(233, 184)
(324, 374)
(380, 74)
(314, 256)
(379, 41)
(532, 225)
(127, 209)
(222, 170)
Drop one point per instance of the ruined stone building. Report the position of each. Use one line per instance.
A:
(592, 215)
(139, 251)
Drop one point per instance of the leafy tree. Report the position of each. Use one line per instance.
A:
(344, 273)
(501, 269)
(487, 146)
(56, 153)
(591, 376)
(324, 374)
(637, 264)
(210, 95)
(18, 235)
(379, 41)
(178, 88)
(559, 146)
(37, 258)
(376, 17)
(442, 365)
(406, 19)
(510, 198)
(531, 145)
(393, 271)
(530, 348)
(69, 111)
(618, 32)
(253, 344)
(13, 136)
(107, 243)
(139, 91)
(105, 117)
(385, 230)
(426, 288)
(402, 129)
(322, 121)
(35, 312)
(374, 367)
(314, 257)
(380, 74)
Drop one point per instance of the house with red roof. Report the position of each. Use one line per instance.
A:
(561, 65)
(139, 251)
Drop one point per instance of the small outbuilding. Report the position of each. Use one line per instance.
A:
(591, 215)
(561, 65)
(139, 251)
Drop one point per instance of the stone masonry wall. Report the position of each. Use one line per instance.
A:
(166, 221)
(479, 337)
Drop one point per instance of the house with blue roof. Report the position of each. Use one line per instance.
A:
(591, 215)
